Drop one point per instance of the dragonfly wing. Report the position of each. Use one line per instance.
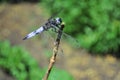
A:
(71, 40)
(41, 29)
(68, 38)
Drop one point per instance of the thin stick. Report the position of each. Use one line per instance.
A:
(55, 51)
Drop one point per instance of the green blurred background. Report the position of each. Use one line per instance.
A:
(95, 24)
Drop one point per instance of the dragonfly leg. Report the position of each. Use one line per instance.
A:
(54, 30)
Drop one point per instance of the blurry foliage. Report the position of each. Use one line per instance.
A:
(95, 23)
(17, 62)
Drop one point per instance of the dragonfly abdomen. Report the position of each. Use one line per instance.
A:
(41, 29)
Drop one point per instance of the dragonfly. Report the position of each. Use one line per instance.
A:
(52, 23)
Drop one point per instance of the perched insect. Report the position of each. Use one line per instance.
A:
(54, 24)
(51, 23)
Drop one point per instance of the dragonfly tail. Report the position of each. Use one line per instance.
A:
(25, 38)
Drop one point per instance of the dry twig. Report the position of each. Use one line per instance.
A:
(55, 51)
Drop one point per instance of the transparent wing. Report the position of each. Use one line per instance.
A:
(65, 38)
(74, 42)
(50, 42)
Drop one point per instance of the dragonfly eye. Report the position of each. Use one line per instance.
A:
(58, 20)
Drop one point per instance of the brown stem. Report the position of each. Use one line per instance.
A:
(55, 51)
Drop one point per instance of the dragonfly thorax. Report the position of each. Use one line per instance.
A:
(58, 21)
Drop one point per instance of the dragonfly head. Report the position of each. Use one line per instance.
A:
(58, 21)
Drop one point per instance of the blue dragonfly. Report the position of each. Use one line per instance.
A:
(51, 23)
(54, 24)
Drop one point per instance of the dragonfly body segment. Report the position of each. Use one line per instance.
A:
(40, 30)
